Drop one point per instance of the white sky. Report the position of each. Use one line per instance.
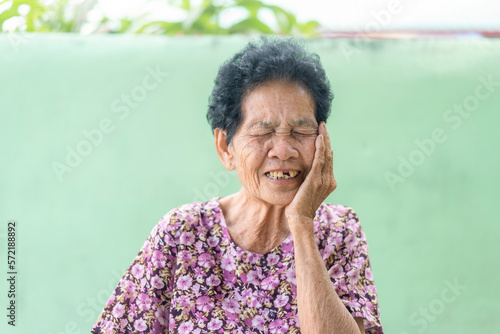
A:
(352, 14)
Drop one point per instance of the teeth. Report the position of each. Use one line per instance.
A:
(280, 175)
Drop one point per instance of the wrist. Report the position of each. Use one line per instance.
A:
(300, 226)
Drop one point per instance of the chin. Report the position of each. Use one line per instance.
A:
(279, 199)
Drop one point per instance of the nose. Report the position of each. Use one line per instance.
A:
(282, 148)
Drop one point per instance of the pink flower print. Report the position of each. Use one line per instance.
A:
(123, 324)
(369, 274)
(204, 304)
(227, 263)
(185, 256)
(336, 271)
(140, 325)
(287, 247)
(147, 244)
(270, 283)
(351, 240)
(111, 298)
(290, 276)
(340, 208)
(138, 270)
(168, 240)
(184, 282)
(255, 300)
(253, 277)
(231, 306)
(129, 287)
(184, 301)
(186, 327)
(143, 282)
(158, 259)
(187, 238)
(281, 300)
(196, 289)
(199, 245)
(108, 327)
(335, 239)
(206, 260)
(213, 241)
(358, 262)
(258, 322)
(143, 301)
(278, 326)
(327, 251)
(232, 319)
(213, 280)
(265, 298)
(162, 314)
(342, 286)
(354, 276)
(214, 324)
(369, 305)
(157, 282)
(273, 259)
(252, 258)
(118, 310)
(229, 278)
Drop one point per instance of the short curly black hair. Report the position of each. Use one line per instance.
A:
(267, 59)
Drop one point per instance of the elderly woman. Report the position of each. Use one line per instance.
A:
(273, 257)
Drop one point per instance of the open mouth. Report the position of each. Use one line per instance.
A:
(282, 175)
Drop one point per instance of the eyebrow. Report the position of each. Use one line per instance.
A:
(300, 122)
(304, 121)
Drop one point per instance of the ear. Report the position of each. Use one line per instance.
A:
(223, 150)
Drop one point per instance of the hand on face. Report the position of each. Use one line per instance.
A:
(318, 184)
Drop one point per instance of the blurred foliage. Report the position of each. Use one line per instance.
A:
(200, 18)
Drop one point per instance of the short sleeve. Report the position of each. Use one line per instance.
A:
(351, 273)
(141, 301)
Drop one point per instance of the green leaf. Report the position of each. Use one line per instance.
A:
(126, 23)
(252, 6)
(285, 20)
(309, 28)
(249, 25)
(160, 25)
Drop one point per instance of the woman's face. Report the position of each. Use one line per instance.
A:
(273, 149)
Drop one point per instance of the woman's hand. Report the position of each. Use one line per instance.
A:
(318, 184)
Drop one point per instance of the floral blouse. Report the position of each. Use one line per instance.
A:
(189, 277)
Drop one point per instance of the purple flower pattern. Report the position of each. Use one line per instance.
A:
(189, 277)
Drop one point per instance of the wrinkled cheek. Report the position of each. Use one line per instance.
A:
(249, 172)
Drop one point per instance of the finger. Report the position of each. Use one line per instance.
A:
(319, 156)
(328, 152)
(328, 166)
(327, 138)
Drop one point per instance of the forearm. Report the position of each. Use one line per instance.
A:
(320, 308)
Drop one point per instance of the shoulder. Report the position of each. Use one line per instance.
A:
(187, 218)
(337, 219)
(336, 214)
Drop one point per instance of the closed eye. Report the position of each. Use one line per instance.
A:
(303, 133)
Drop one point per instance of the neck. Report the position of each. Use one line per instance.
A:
(253, 224)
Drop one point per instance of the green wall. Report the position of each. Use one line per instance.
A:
(423, 177)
